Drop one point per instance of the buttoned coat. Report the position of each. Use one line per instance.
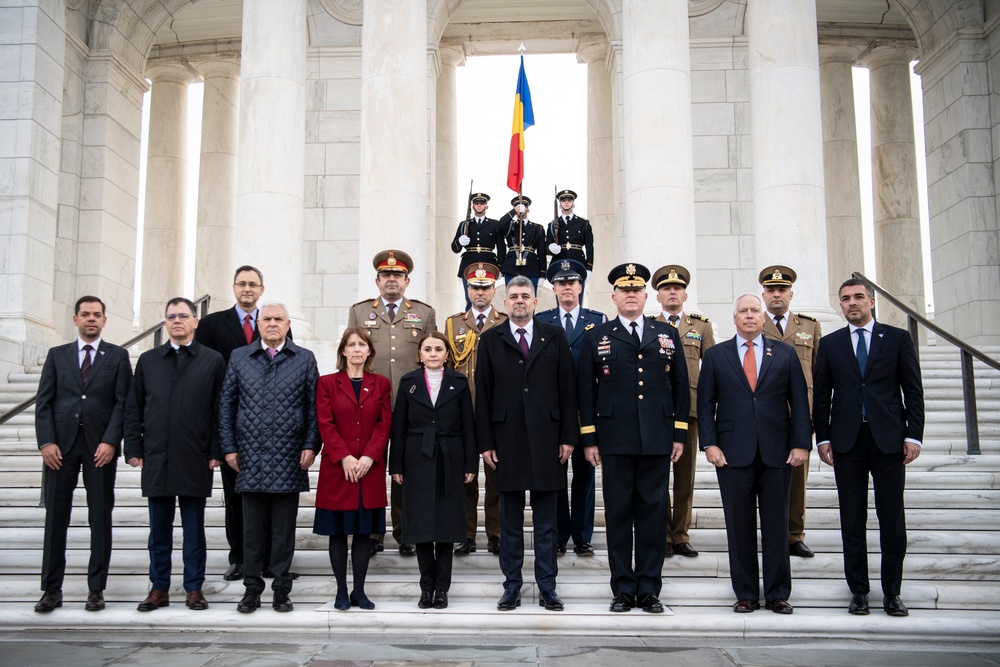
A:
(171, 419)
(267, 415)
(587, 320)
(696, 337)
(485, 234)
(533, 253)
(633, 398)
(526, 408)
(433, 447)
(579, 233)
(463, 338)
(802, 333)
(352, 426)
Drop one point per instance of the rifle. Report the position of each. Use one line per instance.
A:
(468, 210)
(555, 214)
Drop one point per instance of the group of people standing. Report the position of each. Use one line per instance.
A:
(527, 392)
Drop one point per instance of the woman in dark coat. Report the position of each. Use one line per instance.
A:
(354, 411)
(433, 453)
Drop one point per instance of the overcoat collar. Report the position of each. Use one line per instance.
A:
(449, 388)
(344, 384)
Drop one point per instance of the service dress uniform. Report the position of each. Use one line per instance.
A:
(395, 343)
(525, 243)
(802, 332)
(573, 235)
(486, 243)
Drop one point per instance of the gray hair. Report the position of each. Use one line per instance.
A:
(275, 304)
(521, 281)
(755, 296)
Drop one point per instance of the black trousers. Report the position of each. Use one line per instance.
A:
(575, 505)
(434, 560)
(274, 513)
(234, 514)
(851, 470)
(161, 541)
(543, 519)
(743, 490)
(636, 499)
(58, 487)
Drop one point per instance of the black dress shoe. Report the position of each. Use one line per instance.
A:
(583, 549)
(779, 606)
(859, 605)
(361, 600)
(282, 603)
(426, 600)
(894, 606)
(493, 546)
(622, 603)
(249, 603)
(234, 573)
(465, 548)
(550, 601)
(342, 602)
(268, 574)
(95, 601)
(669, 553)
(561, 549)
(649, 603)
(441, 600)
(154, 600)
(407, 550)
(49, 601)
(745, 606)
(685, 549)
(800, 549)
(509, 601)
(375, 547)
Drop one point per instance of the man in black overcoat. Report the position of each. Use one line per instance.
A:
(526, 423)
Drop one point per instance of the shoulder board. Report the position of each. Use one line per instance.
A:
(457, 316)
(366, 303)
(698, 316)
(805, 317)
(650, 317)
(595, 313)
(409, 303)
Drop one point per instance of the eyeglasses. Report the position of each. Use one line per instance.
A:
(183, 317)
(244, 285)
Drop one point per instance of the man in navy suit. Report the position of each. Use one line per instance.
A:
(576, 520)
(79, 423)
(869, 413)
(634, 404)
(753, 425)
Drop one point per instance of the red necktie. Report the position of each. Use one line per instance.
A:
(248, 329)
(750, 365)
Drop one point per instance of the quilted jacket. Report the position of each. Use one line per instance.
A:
(267, 415)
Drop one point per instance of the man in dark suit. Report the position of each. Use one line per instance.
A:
(753, 424)
(225, 331)
(634, 404)
(869, 413)
(527, 428)
(79, 416)
(566, 277)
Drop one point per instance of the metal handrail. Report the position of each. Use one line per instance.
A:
(966, 352)
(156, 331)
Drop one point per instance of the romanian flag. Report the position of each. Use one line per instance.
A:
(524, 117)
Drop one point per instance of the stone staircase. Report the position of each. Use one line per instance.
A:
(951, 580)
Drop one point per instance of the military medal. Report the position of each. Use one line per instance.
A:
(372, 316)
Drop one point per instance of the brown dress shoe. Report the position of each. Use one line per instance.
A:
(745, 606)
(95, 601)
(779, 606)
(685, 549)
(195, 600)
(155, 600)
(49, 601)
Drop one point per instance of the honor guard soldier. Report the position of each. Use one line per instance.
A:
(803, 333)
(395, 324)
(478, 238)
(634, 405)
(671, 283)
(569, 236)
(576, 518)
(463, 331)
(525, 242)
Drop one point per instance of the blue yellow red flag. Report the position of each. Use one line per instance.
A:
(524, 117)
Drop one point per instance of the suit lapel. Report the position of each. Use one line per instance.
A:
(878, 333)
(766, 361)
(418, 390)
(538, 341)
(507, 336)
(448, 389)
(345, 385)
(99, 354)
(733, 355)
(235, 326)
(847, 344)
(73, 359)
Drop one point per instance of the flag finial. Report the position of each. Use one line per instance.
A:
(521, 49)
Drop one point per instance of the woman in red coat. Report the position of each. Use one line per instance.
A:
(354, 408)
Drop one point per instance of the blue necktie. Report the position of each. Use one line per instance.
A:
(862, 351)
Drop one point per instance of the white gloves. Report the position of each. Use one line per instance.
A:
(463, 240)
(589, 274)
(554, 249)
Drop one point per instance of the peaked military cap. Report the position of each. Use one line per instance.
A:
(393, 260)
(776, 275)
(671, 274)
(629, 276)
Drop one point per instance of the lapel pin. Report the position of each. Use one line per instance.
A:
(413, 388)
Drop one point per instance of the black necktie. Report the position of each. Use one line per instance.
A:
(777, 323)
(480, 321)
(390, 308)
(635, 332)
(85, 366)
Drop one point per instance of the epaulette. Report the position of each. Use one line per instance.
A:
(459, 315)
(698, 316)
(370, 302)
(650, 317)
(409, 303)
(805, 317)
(596, 313)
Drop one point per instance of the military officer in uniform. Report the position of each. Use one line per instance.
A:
(395, 324)
(671, 283)
(574, 520)
(634, 405)
(802, 332)
(525, 243)
(479, 239)
(463, 331)
(569, 236)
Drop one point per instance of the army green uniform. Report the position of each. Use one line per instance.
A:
(395, 345)
(696, 336)
(803, 333)
(463, 339)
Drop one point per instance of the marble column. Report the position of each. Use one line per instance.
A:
(844, 236)
(270, 182)
(166, 180)
(600, 167)
(448, 297)
(898, 258)
(394, 151)
(787, 144)
(659, 170)
(215, 245)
